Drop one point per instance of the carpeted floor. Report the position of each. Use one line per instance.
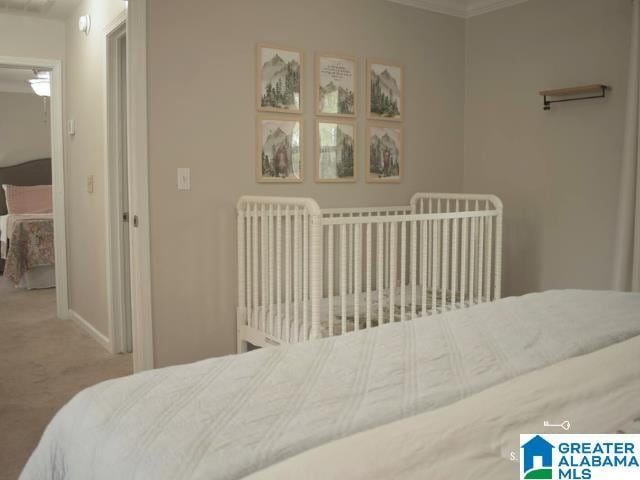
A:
(43, 363)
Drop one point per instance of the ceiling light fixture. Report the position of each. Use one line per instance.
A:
(41, 85)
(41, 88)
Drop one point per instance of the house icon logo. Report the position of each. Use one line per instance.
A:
(537, 459)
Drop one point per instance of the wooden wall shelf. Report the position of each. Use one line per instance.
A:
(584, 91)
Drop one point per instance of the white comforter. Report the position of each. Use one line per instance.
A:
(231, 416)
(476, 437)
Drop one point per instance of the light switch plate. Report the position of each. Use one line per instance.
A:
(184, 179)
(90, 183)
(71, 127)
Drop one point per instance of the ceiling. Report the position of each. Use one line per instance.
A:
(59, 9)
(14, 80)
(460, 8)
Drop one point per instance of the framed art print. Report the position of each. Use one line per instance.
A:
(335, 151)
(279, 79)
(336, 83)
(279, 149)
(385, 161)
(385, 91)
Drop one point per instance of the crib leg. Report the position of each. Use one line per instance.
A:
(243, 346)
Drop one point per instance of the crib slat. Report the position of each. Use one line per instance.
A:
(472, 261)
(435, 269)
(305, 276)
(256, 265)
(287, 274)
(368, 279)
(454, 261)
(249, 267)
(380, 270)
(403, 268)
(279, 270)
(392, 270)
(357, 290)
(424, 252)
(487, 281)
(343, 277)
(296, 274)
(463, 263)
(330, 262)
(480, 258)
(445, 262)
(387, 256)
(270, 261)
(430, 250)
(263, 267)
(414, 266)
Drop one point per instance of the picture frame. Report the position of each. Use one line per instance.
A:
(385, 90)
(385, 153)
(279, 149)
(336, 85)
(279, 79)
(336, 150)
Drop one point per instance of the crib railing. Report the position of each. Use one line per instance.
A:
(279, 255)
(304, 273)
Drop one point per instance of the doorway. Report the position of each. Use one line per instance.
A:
(53, 112)
(118, 189)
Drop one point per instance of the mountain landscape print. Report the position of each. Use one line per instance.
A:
(336, 152)
(280, 154)
(279, 79)
(385, 91)
(385, 154)
(336, 85)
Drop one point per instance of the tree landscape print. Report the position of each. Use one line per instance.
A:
(336, 85)
(279, 79)
(385, 91)
(336, 152)
(280, 157)
(385, 154)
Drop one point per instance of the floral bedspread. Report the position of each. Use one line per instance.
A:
(31, 245)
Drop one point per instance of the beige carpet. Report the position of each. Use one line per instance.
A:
(43, 363)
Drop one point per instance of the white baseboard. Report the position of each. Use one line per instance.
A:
(90, 329)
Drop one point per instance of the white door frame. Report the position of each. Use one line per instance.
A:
(138, 159)
(57, 171)
(113, 176)
(135, 18)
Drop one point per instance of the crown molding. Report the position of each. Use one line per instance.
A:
(479, 7)
(446, 7)
(460, 8)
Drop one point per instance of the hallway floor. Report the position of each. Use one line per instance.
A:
(44, 362)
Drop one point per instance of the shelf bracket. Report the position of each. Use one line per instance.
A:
(603, 94)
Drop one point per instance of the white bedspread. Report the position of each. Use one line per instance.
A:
(597, 393)
(231, 416)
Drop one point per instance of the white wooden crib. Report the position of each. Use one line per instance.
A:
(307, 273)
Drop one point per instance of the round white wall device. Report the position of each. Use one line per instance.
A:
(84, 24)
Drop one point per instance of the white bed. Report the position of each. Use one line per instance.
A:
(229, 417)
(476, 437)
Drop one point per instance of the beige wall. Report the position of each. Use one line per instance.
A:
(26, 36)
(558, 171)
(84, 156)
(25, 129)
(202, 116)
